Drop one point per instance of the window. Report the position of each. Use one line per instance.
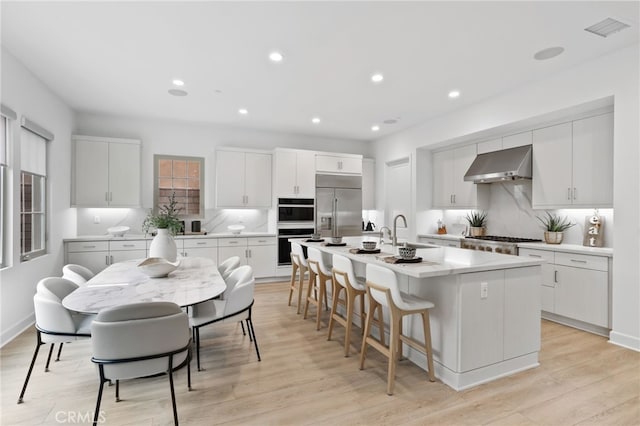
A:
(184, 177)
(4, 197)
(33, 218)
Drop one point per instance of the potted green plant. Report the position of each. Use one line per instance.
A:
(167, 223)
(554, 227)
(477, 221)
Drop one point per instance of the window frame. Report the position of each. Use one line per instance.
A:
(156, 189)
(42, 250)
(5, 195)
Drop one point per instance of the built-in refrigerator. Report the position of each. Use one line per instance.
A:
(338, 205)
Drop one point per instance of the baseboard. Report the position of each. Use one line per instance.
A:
(17, 329)
(580, 325)
(624, 340)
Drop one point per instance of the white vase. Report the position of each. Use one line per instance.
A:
(163, 246)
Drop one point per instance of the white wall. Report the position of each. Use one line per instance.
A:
(26, 95)
(612, 75)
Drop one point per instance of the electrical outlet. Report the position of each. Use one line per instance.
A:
(484, 290)
(96, 219)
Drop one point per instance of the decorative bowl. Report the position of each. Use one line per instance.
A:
(235, 229)
(407, 252)
(369, 245)
(118, 231)
(336, 240)
(157, 267)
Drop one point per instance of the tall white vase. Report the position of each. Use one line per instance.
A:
(163, 246)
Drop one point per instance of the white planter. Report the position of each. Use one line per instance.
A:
(163, 246)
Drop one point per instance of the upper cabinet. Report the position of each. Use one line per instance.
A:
(339, 163)
(243, 179)
(295, 175)
(368, 184)
(106, 172)
(573, 164)
(449, 188)
(506, 142)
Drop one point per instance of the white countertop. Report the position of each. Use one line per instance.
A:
(569, 248)
(437, 261)
(178, 237)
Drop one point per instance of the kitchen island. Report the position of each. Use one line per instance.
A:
(486, 320)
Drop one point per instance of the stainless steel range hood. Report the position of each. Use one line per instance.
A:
(499, 166)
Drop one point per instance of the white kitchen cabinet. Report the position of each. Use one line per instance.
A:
(444, 242)
(339, 163)
(119, 251)
(573, 164)
(295, 174)
(106, 172)
(505, 142)
(243, 179)
(574, 286)
(368, 184)
(489, 146)
(199, 247)
(449, 188)
(97, 255)
(258, 252)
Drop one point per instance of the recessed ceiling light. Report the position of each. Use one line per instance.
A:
(177, 92)
(375, 128)
(377, 78)
(243, 111)
(454, 94)
(315, 120)
(548, 53)
(276, 56)
(177, 82)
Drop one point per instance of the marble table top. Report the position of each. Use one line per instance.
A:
(196, 280)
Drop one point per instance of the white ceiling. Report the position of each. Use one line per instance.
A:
(120, 58)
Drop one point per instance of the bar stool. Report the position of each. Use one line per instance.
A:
(344, 279)
(319, 276)
(298, 266)
(382, 290)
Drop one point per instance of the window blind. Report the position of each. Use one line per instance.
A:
(33, 153)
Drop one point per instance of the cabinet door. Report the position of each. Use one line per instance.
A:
(305, 174)
(91, 174)
(286, 184)
(368, 184)
(351, 165)
(442, 179)
(489, 146)
(464, 193)
(552, 163)
(257, 180)
(519, 139)
(230, 179)
(263, 260)
(593, 161)
(96, 261)
(327, 163)
(124, 175)
(582, 294)
(208, 252)
(229, 251)
(521, 311)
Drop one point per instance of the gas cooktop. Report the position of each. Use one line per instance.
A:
(505, 239)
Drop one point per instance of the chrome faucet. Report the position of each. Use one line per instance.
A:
(382, 234)
(395, 232)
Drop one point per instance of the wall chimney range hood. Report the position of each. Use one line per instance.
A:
(500, 166)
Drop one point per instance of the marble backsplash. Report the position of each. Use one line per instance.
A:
(215, 220)
(510, 213)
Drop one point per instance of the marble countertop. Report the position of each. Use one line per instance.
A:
(569, 248)
(436, 260)
(178, 237)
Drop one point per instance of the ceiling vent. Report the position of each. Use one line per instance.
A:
(607, 27)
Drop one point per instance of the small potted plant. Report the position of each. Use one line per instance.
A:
(167, 223)
(554, 227)
(477, 221)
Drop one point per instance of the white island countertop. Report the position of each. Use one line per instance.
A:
(128, 237)
(436, 260)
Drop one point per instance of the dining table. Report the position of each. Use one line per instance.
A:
(195, 280)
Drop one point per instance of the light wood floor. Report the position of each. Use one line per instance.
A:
(304, 379)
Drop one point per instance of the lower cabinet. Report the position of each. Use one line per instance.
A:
(258, 252)
(97, 255)
(575, 286)
(199, 247)
(444, 242)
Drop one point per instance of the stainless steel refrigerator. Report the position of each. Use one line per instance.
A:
(338, 205)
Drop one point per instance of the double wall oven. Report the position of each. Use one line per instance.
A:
(296, 219)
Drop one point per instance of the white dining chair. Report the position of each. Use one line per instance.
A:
(228, 266)
(54, 323)
(140, 340)
(235, 306)
(77, 273)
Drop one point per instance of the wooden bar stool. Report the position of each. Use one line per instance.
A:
(382, 290)
(319, 276)
(344, 279)
(299, 267)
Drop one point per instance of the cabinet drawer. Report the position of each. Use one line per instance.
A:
(598, 263)
(232, 242)
(82, 246)
(200, 242)
(538, 254)
(128, 245)
(261, 241)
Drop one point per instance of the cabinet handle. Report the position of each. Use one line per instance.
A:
(246, 253)
(201, 243)
(262, 241)
(578, 261)
(568, 193)
(106, 259)
(111, 259)
(184, 254)
(128, 245)
(575, 193)
(88, 246)
(454, 198)
(233, 242)
(535, 255)
(110, 196)
(249, 251)
(555, 276)
(106, 196)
